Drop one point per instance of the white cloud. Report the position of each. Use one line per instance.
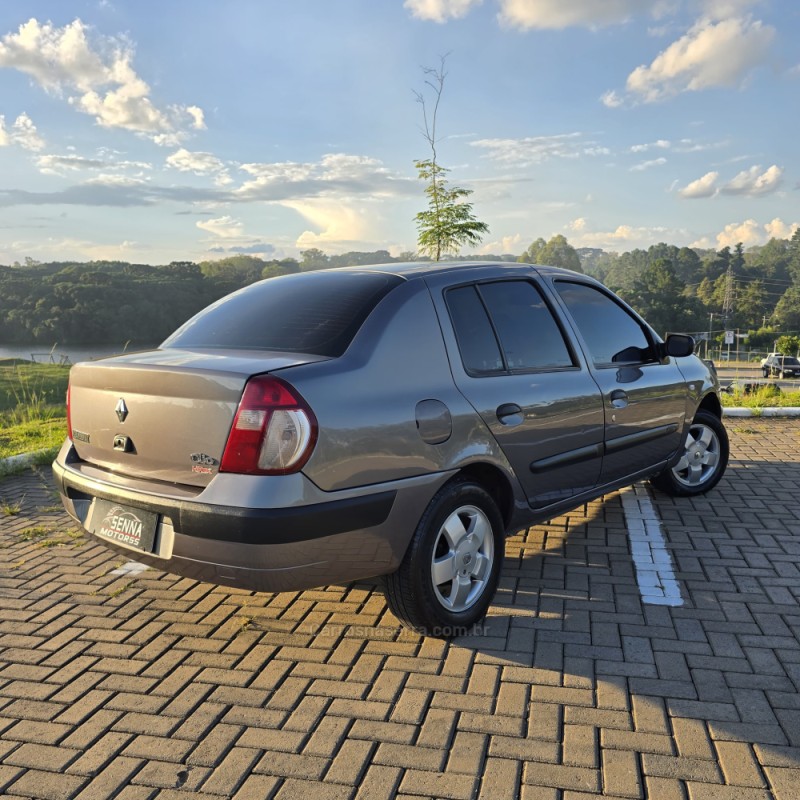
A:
(623, 236)
(197, 163)
(720, 9)
(691, 146)
(54, 164)
(23, 133)
(537, 149)
(612, 99)
(711, 54)
(337, 223)
(654, 162)
(752, 182)
(335, 175)
(702, 187)
(778, 229)
(101, 72)
(660, 144)
(557, 14)
(507, 244)
(748, 233)
(115, 179)
(440, 10)
(225, 227)
(198, 118)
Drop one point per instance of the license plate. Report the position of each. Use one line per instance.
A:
(124, 525)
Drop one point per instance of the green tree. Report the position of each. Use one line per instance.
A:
(533, 255)
(659, 296)
(560, 253)
(313, 258)
(787, 311)
(448, 223)
(794, 256)
(788, 345)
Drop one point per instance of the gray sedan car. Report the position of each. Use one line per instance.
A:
(396, 420)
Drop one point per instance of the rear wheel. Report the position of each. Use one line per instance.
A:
(702, 462)
(450, 572)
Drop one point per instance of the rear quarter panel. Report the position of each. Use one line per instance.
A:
(365, 402)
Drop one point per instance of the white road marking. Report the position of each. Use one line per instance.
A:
(131, 568)
(655, 572)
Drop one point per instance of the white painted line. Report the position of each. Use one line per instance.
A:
(655, 572)
(131, 568)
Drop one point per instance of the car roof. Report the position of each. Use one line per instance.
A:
(416, 269)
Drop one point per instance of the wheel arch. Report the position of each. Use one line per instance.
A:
(711, 404)
(496, 483)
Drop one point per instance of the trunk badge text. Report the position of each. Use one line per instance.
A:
(202, 463)
(122, 410)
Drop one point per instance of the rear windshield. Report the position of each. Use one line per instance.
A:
(316, 313)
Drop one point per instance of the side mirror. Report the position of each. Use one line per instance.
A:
(678, 345)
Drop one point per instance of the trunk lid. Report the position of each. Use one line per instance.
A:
(165, 414)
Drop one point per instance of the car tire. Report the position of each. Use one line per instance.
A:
(450, 571)
(765, 372)
(782, 375)
(703, 459)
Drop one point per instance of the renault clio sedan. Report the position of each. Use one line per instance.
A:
(395, 420)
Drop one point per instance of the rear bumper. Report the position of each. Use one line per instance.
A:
(320, 539)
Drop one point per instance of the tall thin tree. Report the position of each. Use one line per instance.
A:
(448, 223)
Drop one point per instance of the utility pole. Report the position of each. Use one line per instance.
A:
(727, 306)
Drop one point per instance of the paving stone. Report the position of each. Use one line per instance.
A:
(574, 686)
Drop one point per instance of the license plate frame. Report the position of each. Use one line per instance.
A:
(124, 525)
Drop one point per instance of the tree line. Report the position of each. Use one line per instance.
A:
(674, 288)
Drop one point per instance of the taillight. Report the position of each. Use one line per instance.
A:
(273, 433)
(69, 416)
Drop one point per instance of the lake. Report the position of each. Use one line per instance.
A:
(69, 354)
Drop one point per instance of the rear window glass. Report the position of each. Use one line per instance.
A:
(315, 313)
(528, 332)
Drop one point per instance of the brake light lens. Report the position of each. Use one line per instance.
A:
(273, 433)
(69, 416)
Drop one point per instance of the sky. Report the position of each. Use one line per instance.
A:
(189, 130)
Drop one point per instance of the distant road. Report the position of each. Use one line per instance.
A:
(752, 372)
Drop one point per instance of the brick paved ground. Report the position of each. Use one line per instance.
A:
(150, 686)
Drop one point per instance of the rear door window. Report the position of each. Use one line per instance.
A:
(313, 313)
(506, 326)
(529, 334)
(480, 352)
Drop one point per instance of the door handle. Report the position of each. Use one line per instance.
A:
(509, 414)
(619, 399)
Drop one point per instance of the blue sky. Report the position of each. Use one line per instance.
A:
(177, 130)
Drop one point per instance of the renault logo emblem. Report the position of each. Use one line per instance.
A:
(122, 410)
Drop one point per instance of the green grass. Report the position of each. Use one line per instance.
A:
(31, 436)
(761, 398)
(32, 407)
(30, 392)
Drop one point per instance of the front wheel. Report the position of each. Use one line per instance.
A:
(765, 372)
(451, 569)
(702, 462)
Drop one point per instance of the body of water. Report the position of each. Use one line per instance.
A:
(65, 354)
